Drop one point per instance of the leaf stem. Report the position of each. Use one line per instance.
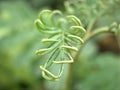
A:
(91, 24)
(96, 32)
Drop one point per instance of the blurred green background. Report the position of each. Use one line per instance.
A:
(98, 67)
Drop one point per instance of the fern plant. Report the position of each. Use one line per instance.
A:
(64, 35)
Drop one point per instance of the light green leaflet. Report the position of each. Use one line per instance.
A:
(65, 34)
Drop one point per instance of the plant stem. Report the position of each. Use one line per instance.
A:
(68, 82)
(91, 24)
(96, 32)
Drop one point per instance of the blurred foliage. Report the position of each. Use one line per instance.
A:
(101, 10)
(98, 73)
(38, 4)
(19, 39)
(18, 42)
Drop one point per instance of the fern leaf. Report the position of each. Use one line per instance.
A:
(64, 33)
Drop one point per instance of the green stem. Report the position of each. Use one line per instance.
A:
(91, 24)
(68, 82)
(96, 32)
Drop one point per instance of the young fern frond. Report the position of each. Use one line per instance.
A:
(64, 34)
